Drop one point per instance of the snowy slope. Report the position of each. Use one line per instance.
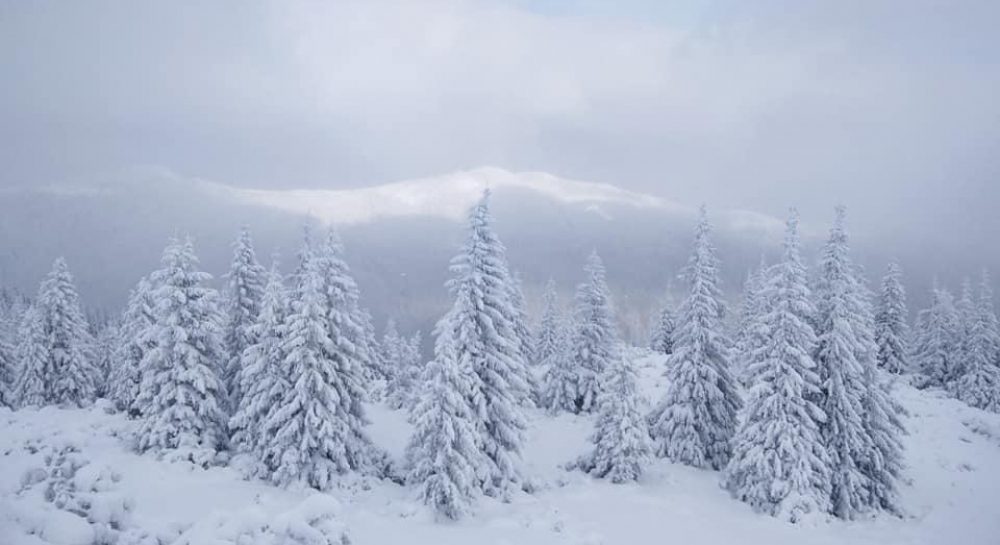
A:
(448, 196)
(953, 454)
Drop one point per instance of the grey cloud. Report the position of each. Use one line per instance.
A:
(888, 107)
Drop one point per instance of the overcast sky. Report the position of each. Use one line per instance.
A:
(890, 107)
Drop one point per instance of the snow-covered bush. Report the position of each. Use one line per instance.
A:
(314, 521)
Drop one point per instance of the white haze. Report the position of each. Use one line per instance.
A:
(313, 108)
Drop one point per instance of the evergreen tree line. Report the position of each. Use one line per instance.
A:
(795, 409)
(791, 408)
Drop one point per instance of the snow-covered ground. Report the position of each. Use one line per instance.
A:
(59, 466)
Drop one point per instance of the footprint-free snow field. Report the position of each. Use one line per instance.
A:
(68, 477)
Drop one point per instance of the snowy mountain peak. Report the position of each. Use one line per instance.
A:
(448, 196)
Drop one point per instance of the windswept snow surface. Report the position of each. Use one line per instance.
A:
(79, 459)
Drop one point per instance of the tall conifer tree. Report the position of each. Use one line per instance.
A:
(780, 465)
(134, 341)
(32, 355)
(70, 372)
(485, 339)
(838, 327)
(547, 338)
(697, 417)
(244, 294)
(443, 454)
(595, 342)
(891, 331)
(181, 395)
(262, 376)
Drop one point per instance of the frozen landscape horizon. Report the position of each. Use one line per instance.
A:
(286, 272)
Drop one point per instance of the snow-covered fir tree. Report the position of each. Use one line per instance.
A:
(8, 374)
(485, 339)
(979, 385)
(411, 351)
(70, 372)
(407, 378)
(559, 389)
(595, 341)
(243, 295)
(262, 375)
(520, 318)
(407, 371)
(697, 417)
(106, 342)
(547, 336)
(935, 347)
(13, 305)
(968, 315)
(661, 340)
(375, 371)
(884, 425)
(392, 348)
(779, 463)
(32, 355)
(747, 325)
(316, 427)
(134, 341)
(891, 330)
(12, 316)
(181, 395)
(987, 313)
(622, 447)
(883, 415)
(345, 316)
(839, 344)
(443, 454)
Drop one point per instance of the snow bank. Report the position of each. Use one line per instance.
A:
(68, 477)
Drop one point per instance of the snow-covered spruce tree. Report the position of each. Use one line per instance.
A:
(105, 344)
(407, 372)
(779, 464)
(486, 341)
(979, 386)
(262, 376)
(838, 326)
(14, 305)
(134, 341)
(697, 417)
(443, 454)
(7, 374)
(891, 331)
(988, 314)
(883, 415)
(968, 315)
(559, 389)
(661, 340)
(936, 346)
(412, 354)
(8, 362)
(345, 317)
(748, 326)
(70, 371)
(315, 428)
(622, 446)
(520, 318)
(32, 355)
(376, 371)
(547, 337)
(181, 395)
(392, 355)
(243, 295)
(12, 310)
(595, 340)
